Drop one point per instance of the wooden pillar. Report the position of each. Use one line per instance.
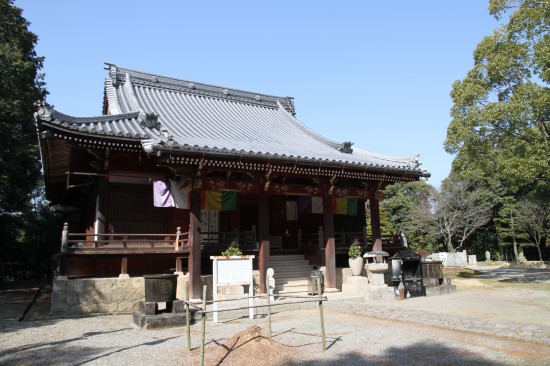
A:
(101, 209)
(263, 227)
(330, 252)
(375, 218)
(179, 265)
(123, 267)
(194, 261)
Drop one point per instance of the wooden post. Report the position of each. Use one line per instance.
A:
(194, 261)
(321, 314)
(64, 238)
(263, 222)
(179, 265)
(203, 323)
(177, 242)
(123, 267)
(330, 250)
(101, 205)
(268, 304)
(187, 317)
(254, 236)
(321, 237)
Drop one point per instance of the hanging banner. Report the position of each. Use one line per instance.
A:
(309, 204)
(219, 201)
(167, 194)
(345, 206)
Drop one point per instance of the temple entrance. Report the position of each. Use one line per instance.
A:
(249, 216)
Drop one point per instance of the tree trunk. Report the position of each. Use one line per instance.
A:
(450, 248)
(516, 256)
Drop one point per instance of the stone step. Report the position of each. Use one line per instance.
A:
(294, 271)
(281, 264)
(291, 286)
(296, 281)
(287, 257)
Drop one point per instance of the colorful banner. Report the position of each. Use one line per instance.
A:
(345, 206)
(219, 201)
(309, 204)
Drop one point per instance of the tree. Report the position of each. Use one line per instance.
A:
(460, 209)
(20, 86)
(535, 221)
(500, 128)
(409, 206)
(509, 222)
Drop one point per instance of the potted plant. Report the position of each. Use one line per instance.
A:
(355, 260)
(233, 249)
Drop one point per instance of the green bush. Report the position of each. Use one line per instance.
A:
(232, 250)
(354, 250)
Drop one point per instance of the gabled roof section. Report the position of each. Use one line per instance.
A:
(126, 125)
(205, 118)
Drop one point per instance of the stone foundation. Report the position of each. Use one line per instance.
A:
(97, 295)
(117, 295)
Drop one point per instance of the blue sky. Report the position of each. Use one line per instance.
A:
(376, 73)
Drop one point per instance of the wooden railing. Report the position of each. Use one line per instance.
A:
(120, 242)
(179, 241)
(222, 239)
(343, 239)
(312, 240)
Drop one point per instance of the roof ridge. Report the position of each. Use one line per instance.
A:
(104, 118)
(117, 74)
(406, 159)
(302, 126)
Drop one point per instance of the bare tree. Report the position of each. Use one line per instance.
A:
(460, 208)
(535, 217)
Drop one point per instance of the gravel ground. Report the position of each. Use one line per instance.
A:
(356, 334)
(296, 339)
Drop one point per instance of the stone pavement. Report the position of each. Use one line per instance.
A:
(539, 333)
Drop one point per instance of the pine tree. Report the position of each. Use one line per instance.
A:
(20, 87)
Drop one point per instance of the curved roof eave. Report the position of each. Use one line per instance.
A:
(152, 146)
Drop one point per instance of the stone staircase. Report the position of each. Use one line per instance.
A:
(292, 273)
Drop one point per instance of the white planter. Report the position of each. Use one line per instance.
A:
(356, 266)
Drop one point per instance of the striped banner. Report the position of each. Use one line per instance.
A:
(219, 201)
(345, 206)
(309, 204)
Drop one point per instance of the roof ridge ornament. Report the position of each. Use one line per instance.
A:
(113, 73)
(44, 110)
(290, 106)
(151, 121)
(346, 147)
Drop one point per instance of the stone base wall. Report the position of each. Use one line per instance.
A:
(96, 295)
(81, 296)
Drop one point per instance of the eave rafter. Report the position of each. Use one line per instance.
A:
(271, 170)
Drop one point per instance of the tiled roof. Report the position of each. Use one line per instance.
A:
(201, 117)
(125, 125)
